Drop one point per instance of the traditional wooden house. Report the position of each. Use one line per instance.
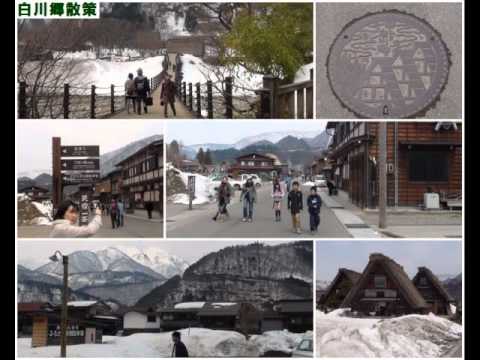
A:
(297, 314)
(25, 313)
(180, 316)
(142, 177)
(255, 163)
(338, 289)
(192, 166)
(384, 289)
(36, 193)
(437, 297)
(140, 320)
(241, 317)
(422, 157)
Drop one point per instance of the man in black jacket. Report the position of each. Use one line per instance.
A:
(179, 348)
(314, 203)
(295, 205)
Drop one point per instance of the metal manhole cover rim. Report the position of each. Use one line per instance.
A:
(444, 60)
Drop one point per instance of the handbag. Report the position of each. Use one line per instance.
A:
(149, 101)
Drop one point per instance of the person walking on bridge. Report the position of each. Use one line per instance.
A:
(167, 95)
(130, 93)
(142, 88)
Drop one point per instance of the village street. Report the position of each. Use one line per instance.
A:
(198, 223)
(135, 226)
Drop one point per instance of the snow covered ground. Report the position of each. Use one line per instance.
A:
(303, 74)
(204, 189)
(338, 335)
(199, 342)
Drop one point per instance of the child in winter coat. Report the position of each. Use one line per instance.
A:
(295, 205)
(314, 202)
(277, 195)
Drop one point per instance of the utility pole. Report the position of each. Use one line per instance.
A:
(64, 315)
(382, 174)
(56, 172)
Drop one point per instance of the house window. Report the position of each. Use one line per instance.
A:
(151, 318)
(380, 281)
(428, 165)
(242, 163)
(251, 163)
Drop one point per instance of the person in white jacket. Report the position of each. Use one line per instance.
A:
(65, 222)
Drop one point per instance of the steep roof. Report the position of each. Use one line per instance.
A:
(351, 275)
(434, 281)
(220, 309)
(396, 272)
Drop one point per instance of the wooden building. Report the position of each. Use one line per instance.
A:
(142, 177)
(109, 187)
(241, 317)
(338, 289)
(140, 320)
(437, 297)
(180, 316)
(260, 164)
(384, 289)
(297, 314)
(36, 193)
(422, 157)
(25, 313)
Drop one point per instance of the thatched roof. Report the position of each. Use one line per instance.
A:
(424, 271)
(351, 275)
(396, 273)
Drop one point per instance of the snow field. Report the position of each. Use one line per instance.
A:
(204, 189)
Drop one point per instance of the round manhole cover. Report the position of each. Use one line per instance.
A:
(388, 65)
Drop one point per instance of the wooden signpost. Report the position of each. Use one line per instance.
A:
(75, 165)
(191, 191)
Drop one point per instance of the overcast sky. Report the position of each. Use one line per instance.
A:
(442, 257)
(34, 137)
(34, 253)
(230, 131)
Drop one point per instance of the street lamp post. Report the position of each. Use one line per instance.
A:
(64, 314)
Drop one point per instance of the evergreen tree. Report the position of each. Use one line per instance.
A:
(208, 157)
(201, 156)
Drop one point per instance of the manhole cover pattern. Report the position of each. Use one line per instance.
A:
(388, 65)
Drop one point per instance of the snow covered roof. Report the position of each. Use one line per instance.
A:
(220, 309)
(82, 303)
(190, 305)
(106, 317)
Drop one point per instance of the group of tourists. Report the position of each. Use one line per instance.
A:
(248, 198)
(138, 93)
(117, 213)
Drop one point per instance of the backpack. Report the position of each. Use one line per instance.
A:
(130, 88)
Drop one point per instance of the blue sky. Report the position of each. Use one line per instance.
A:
(442, 257)
(192, 132)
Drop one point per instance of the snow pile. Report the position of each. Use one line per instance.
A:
(196, 70)
(45, 207)
(309, 183)
(303, 74)
(199, 342)
(31, 212)
(204, 189)
(190, 305)
(119, 54)
(278, 340)
(406, 336)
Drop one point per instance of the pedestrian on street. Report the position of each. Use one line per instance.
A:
(167, 95)
(130, 93)
(248, 197)
(113, 213)
(65, 222)
(295, 205)
(277, 195)
(142, 89)
(314, 202)
(149, 208)
(288, 182)
(120, 212)
(179, 348)
(224, 193)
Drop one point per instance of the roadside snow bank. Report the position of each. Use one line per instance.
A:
(204, 189)
(199, 342)
(405, 336)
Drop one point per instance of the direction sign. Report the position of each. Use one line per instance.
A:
(80, 164)
(80, 151)
(84, 209)
(80, 178)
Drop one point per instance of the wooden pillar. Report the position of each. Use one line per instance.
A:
(190, 97)
(64, 314)
(382, 174)
(270, 83)
(56, 173)
(184, 92)
(199, 100)
(92, 102)
(112, 99)
(209, 99)
(22, 100)
(66, 101)
(228, 98)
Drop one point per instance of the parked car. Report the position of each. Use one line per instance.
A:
(320, 181)
(304, 348)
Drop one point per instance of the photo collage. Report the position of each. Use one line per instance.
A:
(245, 179)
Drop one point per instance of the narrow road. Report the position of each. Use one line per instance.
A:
(198, 222)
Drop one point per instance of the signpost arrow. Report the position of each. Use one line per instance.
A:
(80, 164)
(80, 178)
(80, 151)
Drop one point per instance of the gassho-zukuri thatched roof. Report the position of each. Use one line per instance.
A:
(351, 275)
(396, 273)
(424, 271)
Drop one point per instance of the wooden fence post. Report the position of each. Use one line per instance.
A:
(92, 102)
(209, 99)
(112, 99)
(190, 97)
(228, 98)
(66, 101)
(184, 92)
(22, 100)
(199, 100)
